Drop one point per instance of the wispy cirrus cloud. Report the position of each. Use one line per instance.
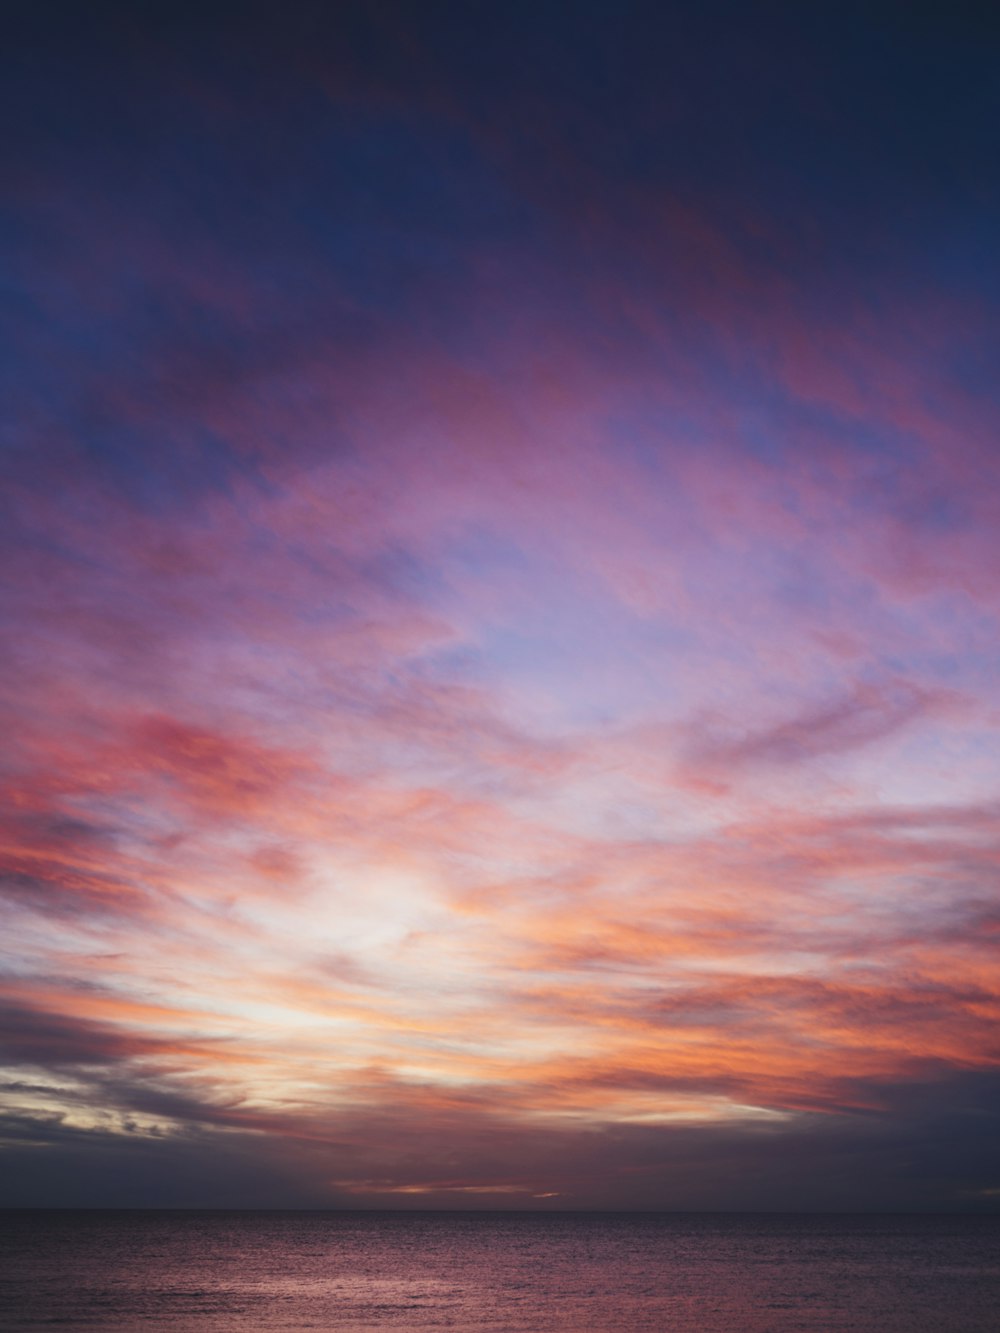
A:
(869, 713)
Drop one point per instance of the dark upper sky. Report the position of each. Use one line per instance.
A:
(500, 605)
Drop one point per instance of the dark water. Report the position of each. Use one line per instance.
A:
(219, 1272)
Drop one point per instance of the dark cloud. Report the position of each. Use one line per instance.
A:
(40, 1038)
(932, 1147)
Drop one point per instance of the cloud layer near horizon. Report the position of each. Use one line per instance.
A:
(501, 617)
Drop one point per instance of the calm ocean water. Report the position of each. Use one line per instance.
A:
(211, 1272)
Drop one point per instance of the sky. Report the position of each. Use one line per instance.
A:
(501, 578)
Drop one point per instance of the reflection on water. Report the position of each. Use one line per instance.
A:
(219, 1272)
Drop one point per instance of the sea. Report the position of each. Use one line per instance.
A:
(218, 1272)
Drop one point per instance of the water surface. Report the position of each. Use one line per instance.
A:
(218, 1272)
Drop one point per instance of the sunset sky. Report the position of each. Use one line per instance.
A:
(501, 606)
